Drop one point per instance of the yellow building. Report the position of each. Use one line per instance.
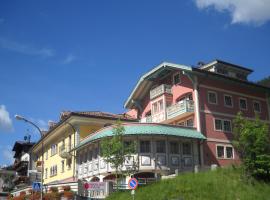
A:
(61, 138)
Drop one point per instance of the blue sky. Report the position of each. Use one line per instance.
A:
(88, 55)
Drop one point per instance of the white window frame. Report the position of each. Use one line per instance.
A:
(177, 73)
(229, 106)
(222, 125)
(208, 92)
(187, 122)
(225, 152)
(241, 98)
(54, 149)
(215, 124)
(254, 101)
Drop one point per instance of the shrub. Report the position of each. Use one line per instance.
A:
(54, 189)
(68, 194)
(52, 196)
(251, 139)
(66, 188)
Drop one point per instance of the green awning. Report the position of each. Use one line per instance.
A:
(146, 129)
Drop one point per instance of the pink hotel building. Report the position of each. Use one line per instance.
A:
(206, 98)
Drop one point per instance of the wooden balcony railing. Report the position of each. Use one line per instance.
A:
(160, 90)
(180, 108)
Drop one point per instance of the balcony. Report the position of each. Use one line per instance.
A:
(21, 180)
(20, 165)
(64, 151)
(160, 90)
(147, 119)
(184, 107)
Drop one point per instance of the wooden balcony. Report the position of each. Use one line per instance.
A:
(160, 90)
(64, 151)
(180, 109)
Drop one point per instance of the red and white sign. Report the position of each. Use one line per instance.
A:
(133, 183)
(96, 186)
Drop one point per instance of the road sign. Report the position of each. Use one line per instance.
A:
(133, 183)
(36, 186)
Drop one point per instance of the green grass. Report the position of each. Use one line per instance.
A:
(217, 185)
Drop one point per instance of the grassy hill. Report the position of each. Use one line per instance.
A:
(217, 185)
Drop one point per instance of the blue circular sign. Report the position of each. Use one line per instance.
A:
(133, 183)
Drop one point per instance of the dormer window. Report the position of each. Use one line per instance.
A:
(176, 79)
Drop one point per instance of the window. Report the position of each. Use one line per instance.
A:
(80, 159)
(95, 154)
(218, 124)
(228, 101)
(223, 125)
(174, 148)
(155, 108)
(243, 104)
(53, 170)
(190, 122)
(46, 155)
(63, 165)
(186, 148)
(145, 146)
(69, 163)
(220, 151)
(257, 106)
(160, 104)
(176, 79)
(212, 97)
(181, 123)
(130, 145)
(85, 157)
(229, 152)
(224, 151)
(161, 147)
(227, 125)
(90, 155)
(53, 149)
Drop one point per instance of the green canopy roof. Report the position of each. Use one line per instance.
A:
(146, 129)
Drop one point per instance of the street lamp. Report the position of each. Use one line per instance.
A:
(18, 117)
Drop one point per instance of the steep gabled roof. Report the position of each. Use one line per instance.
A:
(145, 82)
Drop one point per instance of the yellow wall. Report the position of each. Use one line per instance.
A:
(57, 160)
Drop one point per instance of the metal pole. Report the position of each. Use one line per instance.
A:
(42, 149)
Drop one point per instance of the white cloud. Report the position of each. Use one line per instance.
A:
(5, 120)
(25, 48)
(255, 12)
(70, 58)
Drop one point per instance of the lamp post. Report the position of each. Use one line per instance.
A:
(18, 117)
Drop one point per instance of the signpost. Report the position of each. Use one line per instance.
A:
(36, 186)
(132, 184)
